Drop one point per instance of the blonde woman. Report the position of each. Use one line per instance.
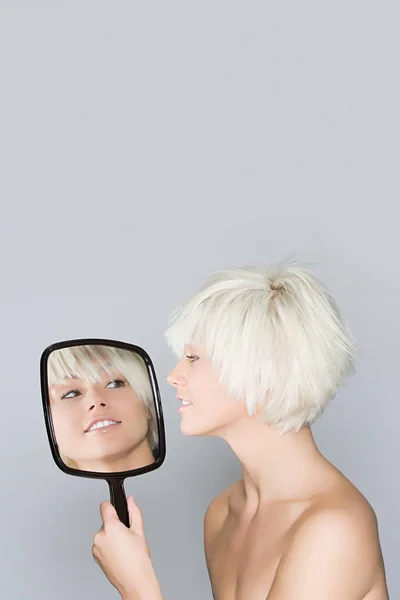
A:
(261, 353)
(102, 408)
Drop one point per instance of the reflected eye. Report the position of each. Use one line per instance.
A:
(67, 396)
(116, 383)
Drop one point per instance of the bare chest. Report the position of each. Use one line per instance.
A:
(244, 557)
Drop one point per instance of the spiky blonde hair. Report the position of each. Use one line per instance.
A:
(276, 335)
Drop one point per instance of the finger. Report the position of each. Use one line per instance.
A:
(135, 517)
(95, 554)
(98, 537)
(108, 513)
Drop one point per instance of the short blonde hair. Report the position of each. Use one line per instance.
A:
(276, 335)
(86, 361)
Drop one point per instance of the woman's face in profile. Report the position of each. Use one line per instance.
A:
(210, 409)
(97, 421)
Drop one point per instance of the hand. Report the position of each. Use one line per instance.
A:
(123, 554)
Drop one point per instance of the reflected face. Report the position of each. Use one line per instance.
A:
(98, 421)
(210, 409)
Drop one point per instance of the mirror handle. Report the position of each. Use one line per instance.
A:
(118, 499)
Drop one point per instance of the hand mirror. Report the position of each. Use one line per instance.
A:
(103, 412)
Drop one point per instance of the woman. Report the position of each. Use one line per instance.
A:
(102, 408)
(261, 354)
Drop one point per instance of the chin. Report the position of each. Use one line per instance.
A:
(198, 430)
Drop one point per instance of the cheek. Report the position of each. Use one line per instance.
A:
(207, 391)
(134, 409)
(66, 420)
(68, 430)
(207, 385)
(211, 396)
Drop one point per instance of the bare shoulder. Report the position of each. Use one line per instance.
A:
(218, 511)
(334, 549)
(345, 504)
(345, 519)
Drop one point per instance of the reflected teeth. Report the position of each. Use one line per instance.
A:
(185, 403)
(101, 424)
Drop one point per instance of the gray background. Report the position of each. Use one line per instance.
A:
(143, 145)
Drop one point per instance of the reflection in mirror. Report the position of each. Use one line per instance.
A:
(102, 408)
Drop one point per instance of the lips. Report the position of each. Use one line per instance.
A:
(100, 423)
(184, 402)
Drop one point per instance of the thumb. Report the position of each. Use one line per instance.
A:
(135, 517)
(108, 513)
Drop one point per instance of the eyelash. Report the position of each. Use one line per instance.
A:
(120, 381)
(191, 358)
(69, 392)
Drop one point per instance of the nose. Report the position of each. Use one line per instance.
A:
(94, 399)
(176, 377)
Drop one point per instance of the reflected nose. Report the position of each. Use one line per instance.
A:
(94, 399)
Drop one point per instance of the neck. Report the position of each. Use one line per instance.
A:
(276, 468)
(138, 457)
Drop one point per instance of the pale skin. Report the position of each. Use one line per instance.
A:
(76, 403)
(124, 555)
(293, 528)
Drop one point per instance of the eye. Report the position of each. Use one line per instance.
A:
(192, 357)
(116, 383)
(68, 396)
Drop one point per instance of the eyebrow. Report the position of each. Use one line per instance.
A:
(54, 386)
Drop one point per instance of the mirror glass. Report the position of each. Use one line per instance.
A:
(102, 408)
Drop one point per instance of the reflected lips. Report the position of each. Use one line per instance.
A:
(101, 425)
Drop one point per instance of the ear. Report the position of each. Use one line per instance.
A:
(259, 409)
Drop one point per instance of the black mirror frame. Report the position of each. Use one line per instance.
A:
(115, 480)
